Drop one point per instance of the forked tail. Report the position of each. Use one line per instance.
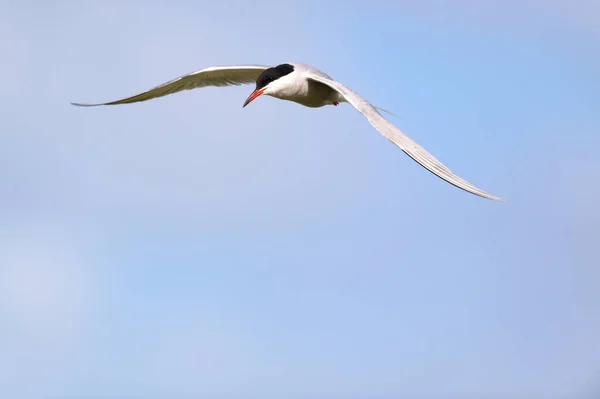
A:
(387, 112)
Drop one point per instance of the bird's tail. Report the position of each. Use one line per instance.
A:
(387, 112)
(379, 109)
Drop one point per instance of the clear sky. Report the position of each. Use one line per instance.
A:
(186, 247)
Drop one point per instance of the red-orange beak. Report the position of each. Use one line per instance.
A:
(252, 96)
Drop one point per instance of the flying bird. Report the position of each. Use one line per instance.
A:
(308, 86)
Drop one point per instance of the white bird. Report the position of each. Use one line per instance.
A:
(306, 86)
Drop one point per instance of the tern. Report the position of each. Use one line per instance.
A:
(308, 86)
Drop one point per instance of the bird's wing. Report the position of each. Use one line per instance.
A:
(213, 76)
(399, 138)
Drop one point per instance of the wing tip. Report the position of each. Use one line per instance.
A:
(500, 200)
(86, 105)
(491, 197)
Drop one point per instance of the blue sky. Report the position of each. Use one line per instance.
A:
(189, 247)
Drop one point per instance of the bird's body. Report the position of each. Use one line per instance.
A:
(307, 86)
(299, 88)
(310, 94)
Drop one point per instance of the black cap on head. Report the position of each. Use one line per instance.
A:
(272, 74)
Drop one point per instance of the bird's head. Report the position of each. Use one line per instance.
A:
(269, 82)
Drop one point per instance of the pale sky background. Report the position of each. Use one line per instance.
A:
(187, 247)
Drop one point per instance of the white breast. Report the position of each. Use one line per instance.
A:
(297, 88)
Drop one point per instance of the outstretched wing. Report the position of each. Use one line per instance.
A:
(399, 138)
(213, 76)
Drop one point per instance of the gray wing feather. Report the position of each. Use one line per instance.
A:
(214, 76)
(399, 138)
